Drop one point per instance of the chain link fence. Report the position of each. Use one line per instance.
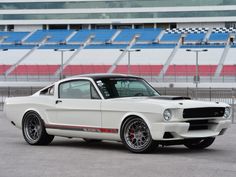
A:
(205, 94)
(14, 91)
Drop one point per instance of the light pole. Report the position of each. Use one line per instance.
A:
(196, 78)
(62, 59)
(129, 51)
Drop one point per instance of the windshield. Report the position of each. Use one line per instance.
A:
(125, 87)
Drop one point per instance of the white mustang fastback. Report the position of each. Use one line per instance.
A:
(116, 107)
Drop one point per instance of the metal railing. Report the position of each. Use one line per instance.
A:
(12, 92)
(206, 94)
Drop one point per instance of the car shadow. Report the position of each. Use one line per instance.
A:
(104, 145)
(118, 146)
(181, 149)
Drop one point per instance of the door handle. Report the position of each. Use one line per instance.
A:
(58, 101)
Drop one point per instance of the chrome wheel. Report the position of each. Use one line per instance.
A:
(136, 136)
(32, 128)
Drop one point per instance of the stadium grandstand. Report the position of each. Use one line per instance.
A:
(167, 41)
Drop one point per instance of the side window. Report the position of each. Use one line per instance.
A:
(77, 89)
(48, 91)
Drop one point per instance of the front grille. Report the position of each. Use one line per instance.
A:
(203, 112)
(198, 124)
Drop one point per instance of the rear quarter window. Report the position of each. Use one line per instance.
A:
(48, 91)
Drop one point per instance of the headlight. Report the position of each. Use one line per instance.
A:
(227, 113)
(167, 114)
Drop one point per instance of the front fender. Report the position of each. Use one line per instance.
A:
(148, 118)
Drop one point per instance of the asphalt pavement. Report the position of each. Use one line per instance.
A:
(76, 158)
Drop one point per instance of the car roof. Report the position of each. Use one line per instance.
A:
(105, 75)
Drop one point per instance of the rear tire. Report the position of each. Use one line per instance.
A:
(136, 136)
(34, 131)
(199, 143)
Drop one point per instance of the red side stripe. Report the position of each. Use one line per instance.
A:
(81, 128)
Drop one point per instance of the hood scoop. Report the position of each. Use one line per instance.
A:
(171, 98)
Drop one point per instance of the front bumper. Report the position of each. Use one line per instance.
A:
(180, 130)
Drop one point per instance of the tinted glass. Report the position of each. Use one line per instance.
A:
(125, 87)
(79, 89)
(113, 4)
(118, 15)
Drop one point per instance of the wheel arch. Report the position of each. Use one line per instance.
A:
(132, 115)
(43, 138)
(150, 144)
(30, 111)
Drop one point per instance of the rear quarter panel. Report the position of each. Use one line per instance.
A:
(16, 107)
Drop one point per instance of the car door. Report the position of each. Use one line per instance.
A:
(78, 104)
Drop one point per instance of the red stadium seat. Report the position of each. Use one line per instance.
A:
(35, 70)
(190, 70)
(135, 69)
(121, 69)
(155, 69)
(228, 70)
(173, 70)
(4, 68)
(73, 70)
(85, 69)
(139, 69)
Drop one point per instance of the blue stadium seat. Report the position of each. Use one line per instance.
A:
(147, 35)
(195, 37)
(170, 37)
(103, 35)
(100, 35)
(57, 46)
(80, 37)
(90, 46)
(106, 46)
(222, 37)
(13, 46)
(203, 46)
(56, 36)
(150, 46)
(126, 35)
(13, 37)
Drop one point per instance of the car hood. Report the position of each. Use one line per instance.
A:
(171, 102)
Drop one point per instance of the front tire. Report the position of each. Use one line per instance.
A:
(136, 136)
(199, 143)
(33, 130)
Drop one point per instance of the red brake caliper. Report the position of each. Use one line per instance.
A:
(131, 134)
